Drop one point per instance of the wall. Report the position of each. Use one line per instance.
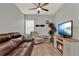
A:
(66, 13)
(40, 19)
(11, 19)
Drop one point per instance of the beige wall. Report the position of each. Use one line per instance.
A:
(41, 19)
(11, 19)
(69, 12)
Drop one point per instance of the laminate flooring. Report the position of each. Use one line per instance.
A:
(44, 49)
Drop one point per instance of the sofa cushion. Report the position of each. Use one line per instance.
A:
(8, 46)
(17, 41)
(29, 44)
(22, 52)
(4, 37)
(18, 49)
(26, 51)
(8, 36)
(23, 44)
(14, 52)
(14, 35)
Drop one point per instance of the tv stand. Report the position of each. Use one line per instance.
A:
(70, 45)
(65, 36)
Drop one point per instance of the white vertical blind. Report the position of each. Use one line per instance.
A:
(29, 26)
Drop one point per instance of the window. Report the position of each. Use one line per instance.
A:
(29, 26)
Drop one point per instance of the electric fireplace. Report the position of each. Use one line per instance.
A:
(60, 46)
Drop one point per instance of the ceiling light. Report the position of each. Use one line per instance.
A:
(38, 8)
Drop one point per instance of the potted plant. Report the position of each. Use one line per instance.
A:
(52, 31)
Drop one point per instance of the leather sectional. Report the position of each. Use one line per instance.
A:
(13, 44)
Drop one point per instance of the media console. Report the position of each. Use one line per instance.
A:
(66, 46)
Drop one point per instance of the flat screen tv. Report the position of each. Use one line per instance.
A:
(66, 29)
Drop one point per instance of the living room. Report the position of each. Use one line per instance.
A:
(16, 18)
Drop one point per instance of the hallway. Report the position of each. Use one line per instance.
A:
(44, 49)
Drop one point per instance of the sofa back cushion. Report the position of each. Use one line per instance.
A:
(4, 37)
(8, 36)
(14, 35)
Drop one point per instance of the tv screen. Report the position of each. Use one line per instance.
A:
(65, 29)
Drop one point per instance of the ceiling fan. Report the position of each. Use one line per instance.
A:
(39, 7)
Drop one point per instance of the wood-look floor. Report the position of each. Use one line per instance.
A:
(44, 49)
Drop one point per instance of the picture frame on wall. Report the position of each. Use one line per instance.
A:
(37, 25)
(42, 25)
(47, 22)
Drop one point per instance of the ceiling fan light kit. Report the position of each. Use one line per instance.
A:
(39, 9)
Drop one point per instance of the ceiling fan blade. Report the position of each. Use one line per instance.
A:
(32, 8)
(38, 11)
(44, 9)
(44, 4)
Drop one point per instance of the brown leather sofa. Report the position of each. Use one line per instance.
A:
(13, 44)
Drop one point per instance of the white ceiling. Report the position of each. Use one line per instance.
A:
(53, 7)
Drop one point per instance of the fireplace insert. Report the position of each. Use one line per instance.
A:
(60, 46)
